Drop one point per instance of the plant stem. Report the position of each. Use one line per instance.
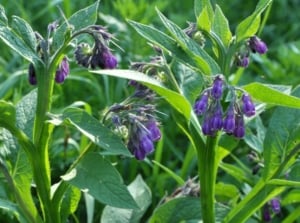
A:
(207, 175)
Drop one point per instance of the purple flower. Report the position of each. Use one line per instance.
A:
(248, 106)
(275, 205)
(266, 214)
(201, 105)
(239, 130)
(217, 88)
(206, 127)
(256, 45)
(140, 144)
(32, 75)
(154, 131)
(216, 122)
(63, 71)
(229, 121)
(103, 58)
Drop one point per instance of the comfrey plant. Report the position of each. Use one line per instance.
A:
(197, 72)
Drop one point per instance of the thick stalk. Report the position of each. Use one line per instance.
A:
(207, 175)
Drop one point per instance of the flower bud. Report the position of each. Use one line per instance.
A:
(201, 105)
(216, 122)
(256, 45)
(63, 71)
(242, 61)
(248, 106)
(154, 131)
(239, 131)
(217, 88)
(229, 121)
(32, 75)
(275, 205)
(83, 54)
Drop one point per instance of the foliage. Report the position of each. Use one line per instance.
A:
(66, 149)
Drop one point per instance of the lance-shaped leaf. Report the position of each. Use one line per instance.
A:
(249, 26)
(100, 179)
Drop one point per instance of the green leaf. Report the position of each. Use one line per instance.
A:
(226, 192)
(10, 82)
(177, 178)
(204, 62)
(141, 194)
(22, 177)
(184, 209)
(282, 136)
(95, 131)
(78, 20)
(8, 206)
(25, 112)
(221, 27)
(249, 26)
(280, 182)
(3, 18)
(200, 5)
(255, 139)
(16, 42)
(163, 41)
(176, 100)
(99, 178)
(268, 94)
(204, 20)
(70, 202)
(23, 29)
(293, 196)
(189, 81)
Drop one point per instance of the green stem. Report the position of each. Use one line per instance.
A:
(207, 175)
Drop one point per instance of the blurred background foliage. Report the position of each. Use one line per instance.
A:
(281, 65)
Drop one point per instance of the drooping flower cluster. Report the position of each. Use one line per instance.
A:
(91, 57)
(254, 45)
(210, 107)
(99, 55)
(137, 115)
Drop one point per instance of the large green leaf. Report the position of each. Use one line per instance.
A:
(78, 20)
(175, 99)
(204, 20)
(95, 131)
(184, 209)
(221, 27)
(250, 25)
(99, 178)
(271, 95)
(141, 194)
(282, 136)
(204, 62)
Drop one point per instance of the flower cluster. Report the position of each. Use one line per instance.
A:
(91, 57)
(254, 45)
(137, 114)
(99, 55)
(209, 106)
